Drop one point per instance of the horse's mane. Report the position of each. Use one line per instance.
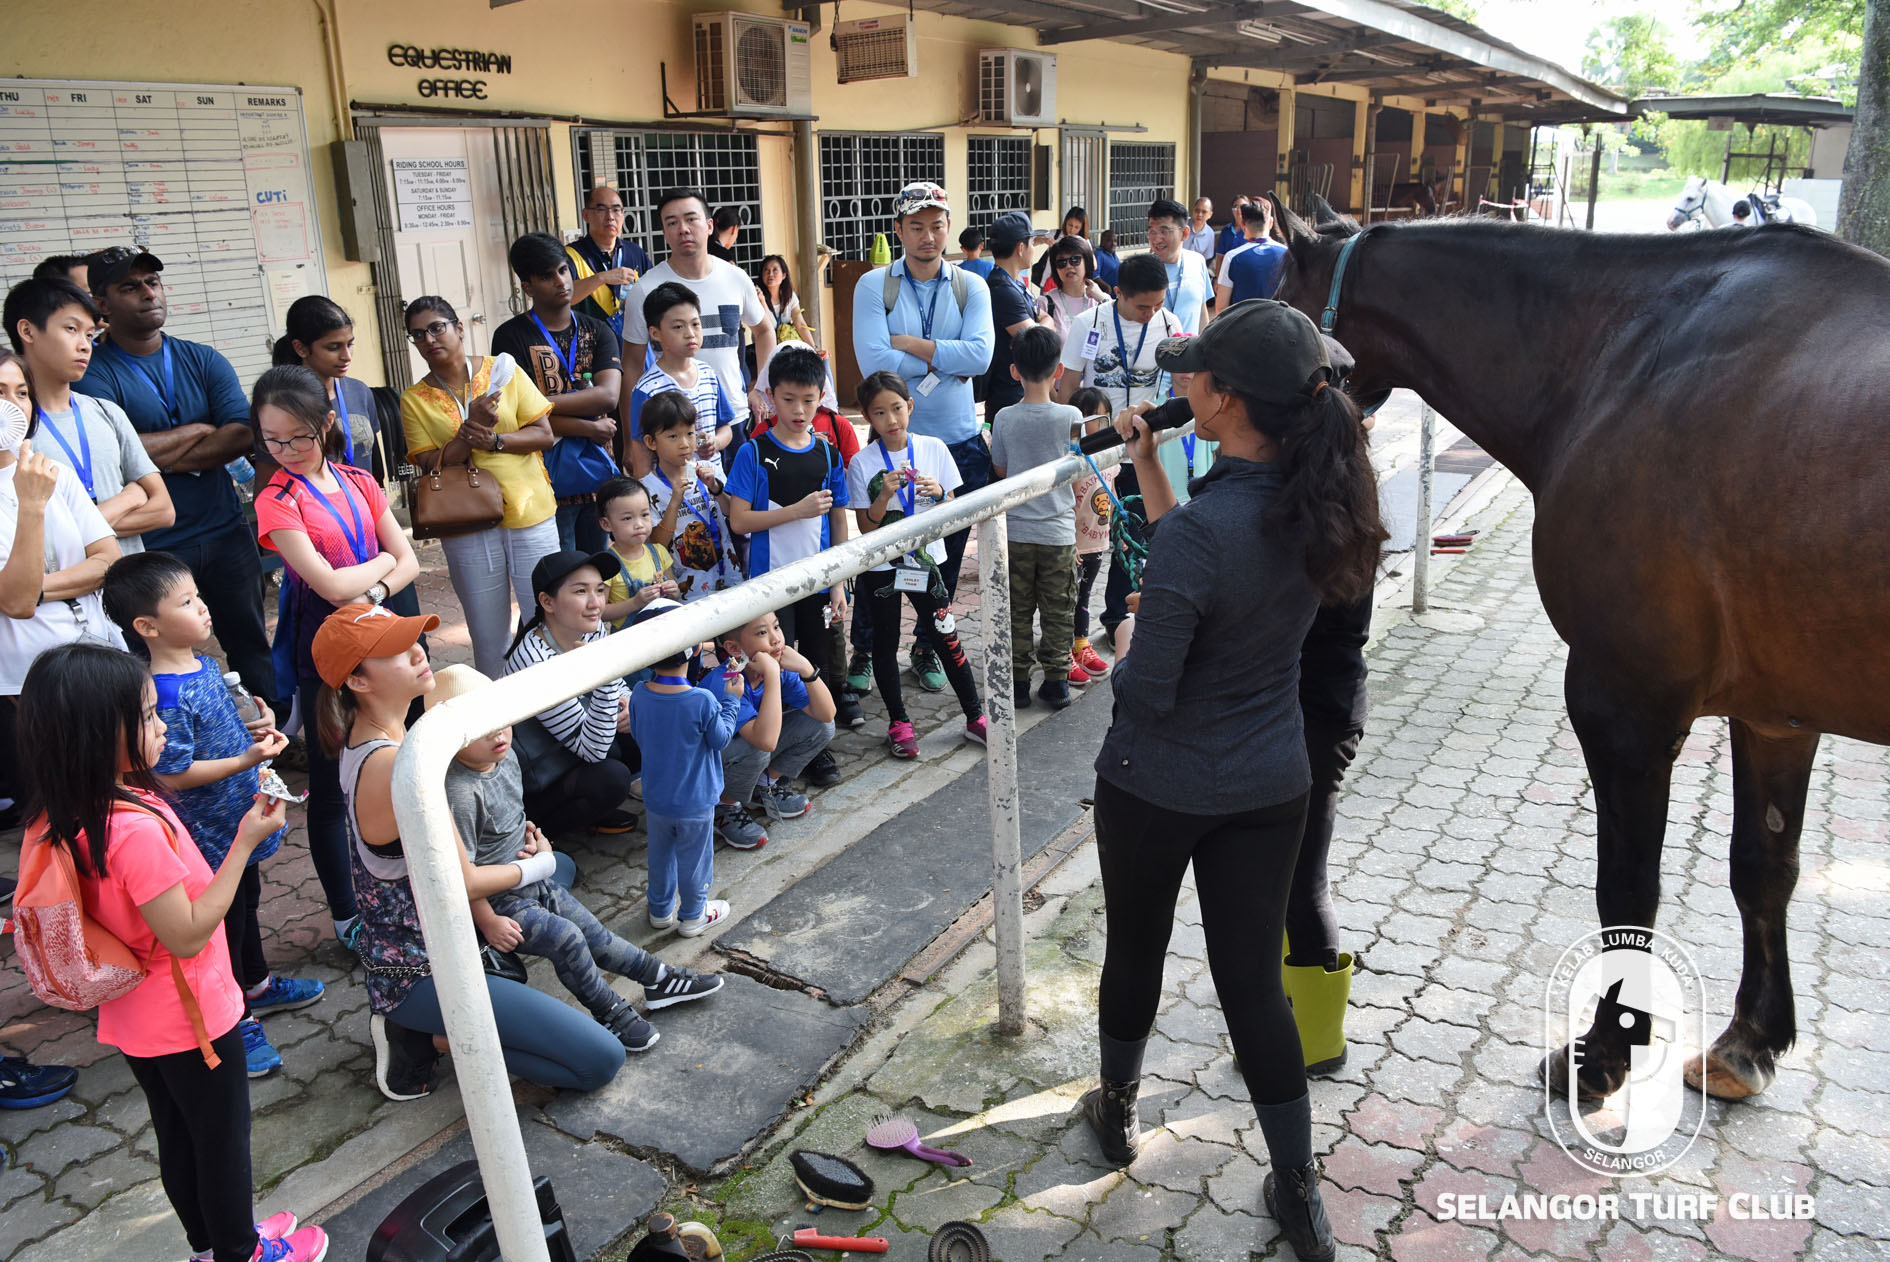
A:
(1539, 238)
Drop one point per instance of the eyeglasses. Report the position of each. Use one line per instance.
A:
(606, 209)
(1069, 260)
(436, 331)
(301, 442)
(918, 197)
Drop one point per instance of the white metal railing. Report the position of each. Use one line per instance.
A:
(426, 824)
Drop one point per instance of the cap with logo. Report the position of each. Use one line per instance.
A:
(1261, 348)
(354, 633)
(106, 268)
(922, 195)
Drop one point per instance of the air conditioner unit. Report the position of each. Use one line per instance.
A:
(876, 48)
(1017, 87)
(753, 67)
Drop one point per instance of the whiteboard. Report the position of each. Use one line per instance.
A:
(213, 179)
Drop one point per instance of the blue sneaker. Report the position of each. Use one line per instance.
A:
(261, 1059)
(285, 994)
(779, 800)
(24, 1085)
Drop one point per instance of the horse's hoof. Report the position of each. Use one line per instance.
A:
(1720, 1078)
(1552, 1071)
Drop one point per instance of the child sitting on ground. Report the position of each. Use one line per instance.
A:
(1093, 511)
(786, 721)
(687, 500)
(209, 766)
(486, 790)
(682, 730)
(1042, 553)
(649, 570)
(898, 475)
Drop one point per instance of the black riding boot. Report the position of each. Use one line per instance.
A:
(1292, 1198)
(1110, 1109)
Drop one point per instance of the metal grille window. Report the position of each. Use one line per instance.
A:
(860, 175)
(1139, 172)
(999, 174)
(643, 164)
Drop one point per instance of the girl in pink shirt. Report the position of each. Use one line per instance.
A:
(92, 712)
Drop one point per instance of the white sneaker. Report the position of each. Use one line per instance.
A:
(662, 922)
(714, 912)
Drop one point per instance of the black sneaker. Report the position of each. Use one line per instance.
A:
(1055, 693)
(680, 985)
(405, 1061)
(636, 1034)
(847, 711)
(615, 823)
(1020, 694)
(823, 772)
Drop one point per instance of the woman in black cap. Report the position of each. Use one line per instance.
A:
(1205, 763)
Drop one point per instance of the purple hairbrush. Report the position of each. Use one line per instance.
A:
(899, 1133)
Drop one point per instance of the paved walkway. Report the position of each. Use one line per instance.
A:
(1464, 866)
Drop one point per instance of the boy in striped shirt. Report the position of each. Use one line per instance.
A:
(675, 323)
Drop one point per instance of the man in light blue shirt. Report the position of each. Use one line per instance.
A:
(937, 335)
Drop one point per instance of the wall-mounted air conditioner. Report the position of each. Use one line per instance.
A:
(749, 66)
(876, 48)
(1017, 87)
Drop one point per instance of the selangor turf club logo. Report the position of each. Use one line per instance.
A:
(1638, 988)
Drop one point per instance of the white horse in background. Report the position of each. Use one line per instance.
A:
(1711, 203)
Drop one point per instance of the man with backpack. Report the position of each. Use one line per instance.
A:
(930, 322)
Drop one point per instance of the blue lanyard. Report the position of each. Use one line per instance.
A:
(708, 524)
(357, 538)
(680, 681)
(82, 460)
(1174, 290)
(1122, 349)
(926, 312)
(906, 495)
(568, 361)
(165, 390)
(341, 418)
(1187, 447)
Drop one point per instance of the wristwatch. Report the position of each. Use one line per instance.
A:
(498, 442)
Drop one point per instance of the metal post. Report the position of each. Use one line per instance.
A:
(1594, 180)
(1000, 761)
(1421, 552)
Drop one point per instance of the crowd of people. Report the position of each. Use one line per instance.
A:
(639, 464)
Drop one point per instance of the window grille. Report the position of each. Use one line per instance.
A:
(999, 175)
(860, 175)
(644, 164)
(1139, 172)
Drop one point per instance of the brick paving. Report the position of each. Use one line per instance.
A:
(1463, 866)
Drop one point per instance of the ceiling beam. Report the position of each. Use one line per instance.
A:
(1159, 24)
(1293, 56)
(1383, 70)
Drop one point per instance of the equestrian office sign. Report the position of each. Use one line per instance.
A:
(485, 63)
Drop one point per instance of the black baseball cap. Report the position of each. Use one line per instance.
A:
(1009, 231)
(1260, 347)
(551, 571)
(106, 268)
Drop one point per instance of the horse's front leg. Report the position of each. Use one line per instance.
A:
(1770, 777)
(1630, 741)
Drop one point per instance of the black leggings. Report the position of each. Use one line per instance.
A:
(876, 592)
(1312, 927)
(1088, 566)
(201, 1119)
(581, 796)
(805, 627)
(243, 930)
(1242, 866)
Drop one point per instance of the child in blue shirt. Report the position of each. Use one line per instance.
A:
(209, 766)
(785, 722)
(682, 730)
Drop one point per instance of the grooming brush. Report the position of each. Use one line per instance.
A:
(811, 1238)
(831, 1180)
(899, 1134)
(959, 1242)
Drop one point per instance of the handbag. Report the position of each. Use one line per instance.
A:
(578, 466)
(504, 964)
(454, 499)
(543, 759)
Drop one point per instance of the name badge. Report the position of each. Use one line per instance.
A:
(909, 578)
(927, 384)
(1092, 343)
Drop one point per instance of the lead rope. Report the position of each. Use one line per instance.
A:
(1125, 535)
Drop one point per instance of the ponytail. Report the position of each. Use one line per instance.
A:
(284, 352)
(1330, 498)
(335, 712)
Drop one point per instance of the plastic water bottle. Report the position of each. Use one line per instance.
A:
(243, 473)
(246, 705)
(882, 250)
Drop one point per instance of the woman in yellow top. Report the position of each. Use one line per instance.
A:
(486, 411)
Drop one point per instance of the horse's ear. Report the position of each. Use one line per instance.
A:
(1298, 231)
(1329, 222)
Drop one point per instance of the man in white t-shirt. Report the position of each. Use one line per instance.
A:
(1112, 346)
(726, 295)
(1189, 286)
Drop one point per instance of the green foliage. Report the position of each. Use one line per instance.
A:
(1749, 31)
(1465, 9)
(1632, 55)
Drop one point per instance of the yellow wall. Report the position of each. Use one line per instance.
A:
(592, 58)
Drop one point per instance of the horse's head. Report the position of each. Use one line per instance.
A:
(1312, 254)
(1692, 202)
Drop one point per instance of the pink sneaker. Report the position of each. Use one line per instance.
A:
(274, 1227)
(310, 1244)
(904, 741)
(1077, 676)
(977, 730)
(1092, 662)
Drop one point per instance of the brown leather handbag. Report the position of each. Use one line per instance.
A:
(454, 499)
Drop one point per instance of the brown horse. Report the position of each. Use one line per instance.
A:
(1709, 517)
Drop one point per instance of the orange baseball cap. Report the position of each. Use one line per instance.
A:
(354, 633)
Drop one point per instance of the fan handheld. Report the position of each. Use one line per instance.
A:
(12, 425)
(898, 1133)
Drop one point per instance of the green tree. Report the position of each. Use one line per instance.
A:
(1750, 29)
(1465, 9)
(1632, 55)
(1864, 204)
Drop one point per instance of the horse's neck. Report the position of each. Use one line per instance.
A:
(1719, 203)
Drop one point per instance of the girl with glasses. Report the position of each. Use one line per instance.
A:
(340, 544)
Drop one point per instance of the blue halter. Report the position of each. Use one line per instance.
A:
(1330, 316)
